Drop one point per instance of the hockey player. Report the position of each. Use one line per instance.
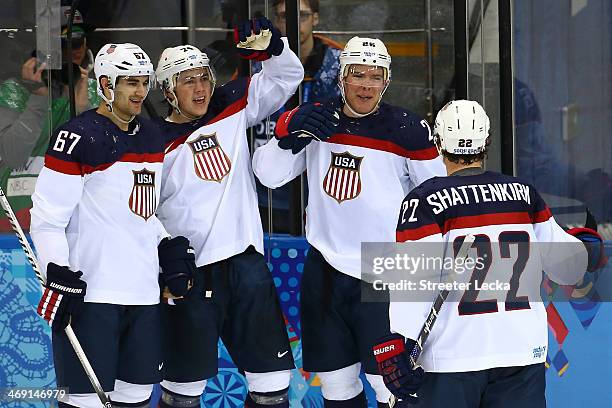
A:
(208, 195)
(98, 240)
(319, 56)
(361, 156)
(481, 353)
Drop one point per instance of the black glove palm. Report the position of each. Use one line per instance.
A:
(253, 50)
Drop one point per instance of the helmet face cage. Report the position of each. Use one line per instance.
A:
(356, 76)
(365, 51)
(461, 127)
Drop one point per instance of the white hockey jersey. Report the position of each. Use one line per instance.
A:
(356, 179)
(94, 207)
(516, 233)
(208, 189)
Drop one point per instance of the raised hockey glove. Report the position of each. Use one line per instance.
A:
(177, 261)
(63, 296)
(401, 377)
(298, 127)
(258, 39)
(594, 245)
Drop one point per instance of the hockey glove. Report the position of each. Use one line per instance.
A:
(177, 261)
(594, 245)
(258, 39)
(296, 129)
(399, 375)
(63, 296)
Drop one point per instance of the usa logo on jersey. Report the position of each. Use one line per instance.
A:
(209, 160)
(342, 181)
(143, 200)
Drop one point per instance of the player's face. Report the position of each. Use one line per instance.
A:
(308, 20)
(130, 93)
(363, 85)
(193, 90)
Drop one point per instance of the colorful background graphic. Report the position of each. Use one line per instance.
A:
(579, 357)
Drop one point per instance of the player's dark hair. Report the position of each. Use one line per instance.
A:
(313, 4)
(467, 159)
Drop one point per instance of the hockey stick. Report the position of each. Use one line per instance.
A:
(433, 313)
(435, 308)
(25, 245)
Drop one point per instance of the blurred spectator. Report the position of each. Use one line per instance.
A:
(320, 58)
(538, 162)
(32, 104)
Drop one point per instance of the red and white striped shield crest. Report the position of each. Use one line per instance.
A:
(342, 181)
(209, 160)
(143, 200)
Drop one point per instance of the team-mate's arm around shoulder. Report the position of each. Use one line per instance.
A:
(281, 73)
(59, 188)
(423, 161)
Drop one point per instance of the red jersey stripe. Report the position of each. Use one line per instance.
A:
(235, 107)
(472, 221)
(79, 169)
(384, 145)
(63, 166)
(417, 233)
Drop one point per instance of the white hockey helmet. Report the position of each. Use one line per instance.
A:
(175, 60)
(364, 51)
(461, 127)
(121, 60)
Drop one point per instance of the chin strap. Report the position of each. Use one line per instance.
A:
(110, 109)
(109, 106)
(178, 110)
